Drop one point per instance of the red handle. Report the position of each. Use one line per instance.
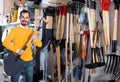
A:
(105, 4)
(63, 10)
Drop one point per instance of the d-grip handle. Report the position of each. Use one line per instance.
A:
(50, 11)
(117, 3)
(105, 4)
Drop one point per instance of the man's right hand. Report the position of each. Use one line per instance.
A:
(33, 37)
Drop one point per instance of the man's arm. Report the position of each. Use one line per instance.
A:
(36, 39)
(7, 42)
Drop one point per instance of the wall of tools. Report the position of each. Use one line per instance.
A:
(80, 41)
(89, 34)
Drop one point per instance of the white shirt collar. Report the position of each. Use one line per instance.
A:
(23, 26)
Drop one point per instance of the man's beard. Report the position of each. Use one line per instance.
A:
(24, 24)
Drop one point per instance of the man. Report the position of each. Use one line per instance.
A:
(17, 39)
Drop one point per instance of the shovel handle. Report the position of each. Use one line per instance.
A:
(115, 32)
(91, 8)
(105, 8)
(58, 63)
(115, 25)
(116, 2)
(63, 14)
(107, 27)
(52, 61)
(66, 59)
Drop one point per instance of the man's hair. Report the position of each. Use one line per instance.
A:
(24, 11)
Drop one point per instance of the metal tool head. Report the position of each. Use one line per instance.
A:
(99, 51)
(92, 63)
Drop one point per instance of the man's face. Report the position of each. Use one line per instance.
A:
(24, 19)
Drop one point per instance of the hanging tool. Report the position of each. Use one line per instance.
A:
(94, 36)
(115, 33)
(91, 8)
(66, 42)
(116, 59)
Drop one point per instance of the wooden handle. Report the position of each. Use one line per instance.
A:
(95, 35)
(67, 25)
(71, 64)
(91, 8)
(104, 28)
(71, 41)
(62, 27)
(93, 22)
(36, 17)
(115, 28)
(66, 42)
(115, 25)
(52, 62)
(63, 13)
(107, 27)
(66, 59)
(71, 28)
(105, 8)
(49, 22)
(58, 63)
(58, 27)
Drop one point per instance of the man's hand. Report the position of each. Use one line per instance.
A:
(20, 52)
(33, 37)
